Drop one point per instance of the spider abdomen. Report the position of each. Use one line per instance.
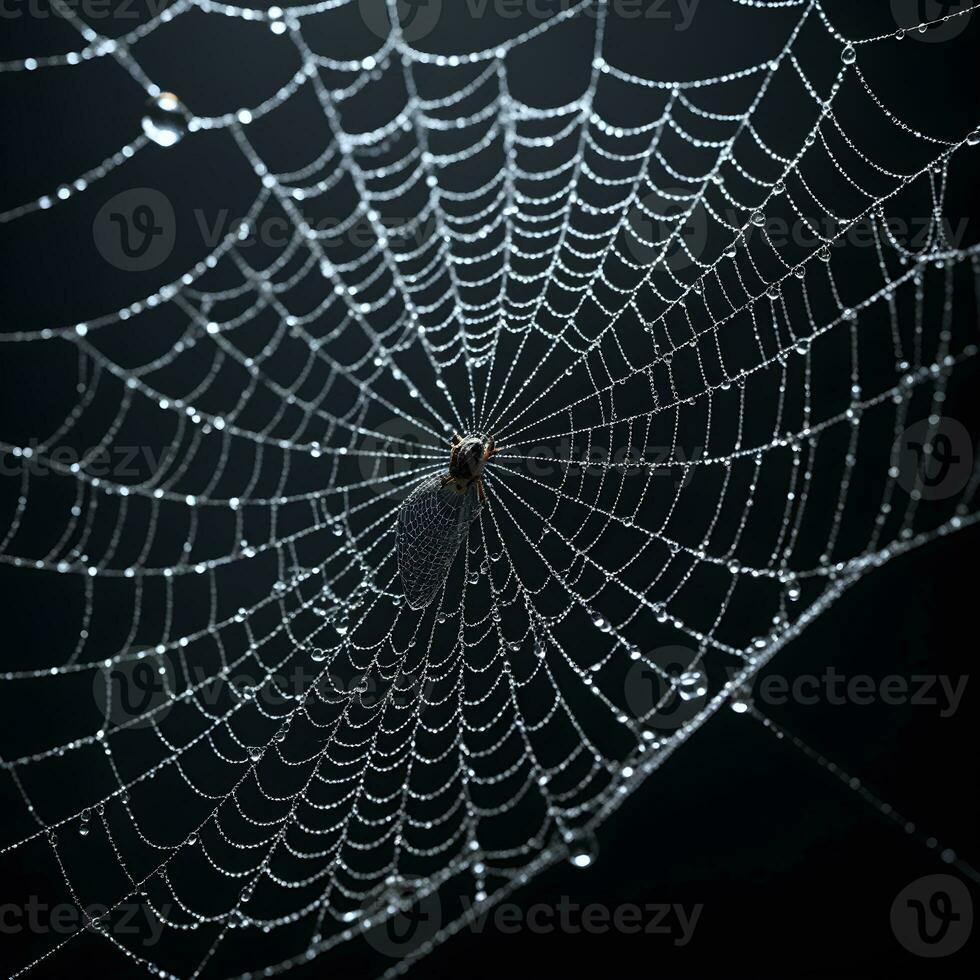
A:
(432, 524)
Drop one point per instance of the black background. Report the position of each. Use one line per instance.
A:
(796, 874)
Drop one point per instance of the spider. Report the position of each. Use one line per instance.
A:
(433, 520)
(466, 461)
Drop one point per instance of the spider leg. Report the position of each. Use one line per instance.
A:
(480, 492)
(491, 449)
(446, 480)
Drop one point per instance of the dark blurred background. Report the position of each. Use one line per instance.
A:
(795, 873)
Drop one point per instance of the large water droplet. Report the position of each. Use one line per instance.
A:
(741, 700)
(848, 55)
(583, 851)
(165, 119)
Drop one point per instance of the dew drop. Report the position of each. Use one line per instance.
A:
(848, 55)
(165, 119)
(583, 851)
(741, 700)
(692, 684)
(599, 621)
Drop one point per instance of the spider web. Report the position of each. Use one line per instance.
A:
(698, 414)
